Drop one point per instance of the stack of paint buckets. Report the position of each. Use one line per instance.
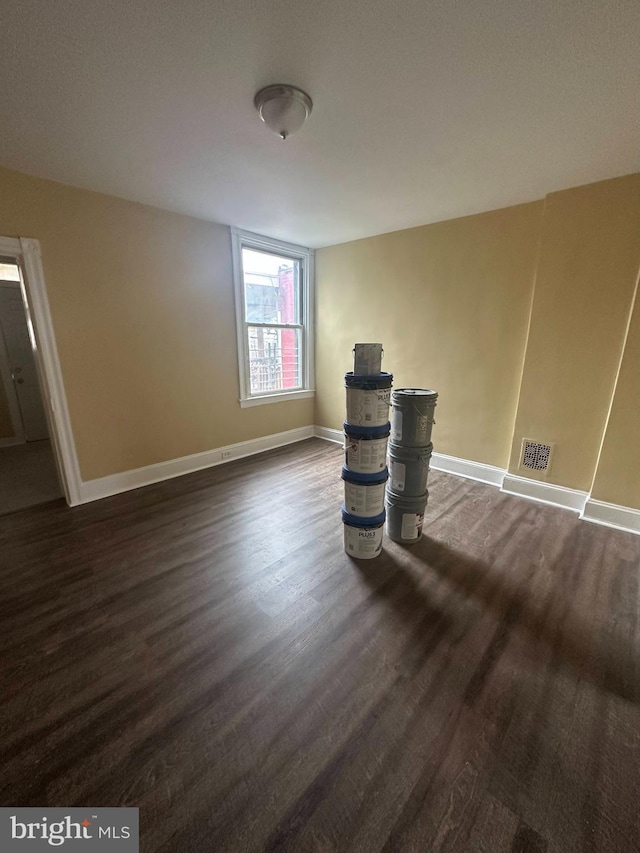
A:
(410, 451)
(366, 433)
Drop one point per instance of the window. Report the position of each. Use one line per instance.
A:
(9, 270)
(274, 305)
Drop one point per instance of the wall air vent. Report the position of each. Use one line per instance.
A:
(535, 456)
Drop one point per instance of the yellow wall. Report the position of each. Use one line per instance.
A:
(618, 476)
(143, 312)
(450, 302)
(517, 317)
(589, 256)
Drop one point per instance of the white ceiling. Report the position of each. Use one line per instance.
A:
(423, 111)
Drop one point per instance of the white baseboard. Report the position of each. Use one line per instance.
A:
(12, 441)
(546, 493)
(92, 490)
(467, 468)
(597, 512)
(612, 515)
(335, 435)
(439, 461)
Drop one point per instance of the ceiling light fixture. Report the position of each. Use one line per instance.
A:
(283, 108)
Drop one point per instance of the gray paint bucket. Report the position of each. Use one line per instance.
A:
(367, 359)
(405, 516)
(365, 448)
(409, 469)
(368, 399)
(412, 416)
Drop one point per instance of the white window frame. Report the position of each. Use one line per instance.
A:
(246, 240)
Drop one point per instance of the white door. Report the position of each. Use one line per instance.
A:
(13, 325)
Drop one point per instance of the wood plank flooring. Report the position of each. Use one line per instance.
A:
(203, 649)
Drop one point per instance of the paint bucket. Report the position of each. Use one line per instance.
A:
(365, 448)
(364, 493)
(368, 399)
(405, 516)
(412, 416)
(362, 536)
(367, 360)
(409, 469)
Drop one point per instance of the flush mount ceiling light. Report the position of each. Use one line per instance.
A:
(283, 108)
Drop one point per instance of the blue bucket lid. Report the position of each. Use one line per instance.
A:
(358, 521)
(365, 479)
(354, 431)
(368, 383)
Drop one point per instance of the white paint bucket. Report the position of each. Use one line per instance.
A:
(365, 448)
(368, 399)
(412, 416)
(405, 516)
(409, 469)
(364, 493)
(367, 359)
(362, 536)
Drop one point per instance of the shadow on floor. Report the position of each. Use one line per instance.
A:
(548, 612)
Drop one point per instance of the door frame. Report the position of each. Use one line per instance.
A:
(18, 436)
(26, 251)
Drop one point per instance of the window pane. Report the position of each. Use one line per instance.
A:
(275, 362)
(9, 272)
(271, 287)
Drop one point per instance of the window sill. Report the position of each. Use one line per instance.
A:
(276, 398)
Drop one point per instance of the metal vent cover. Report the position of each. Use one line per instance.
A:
(535, 455)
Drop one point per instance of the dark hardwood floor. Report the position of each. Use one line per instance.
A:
(203, 649)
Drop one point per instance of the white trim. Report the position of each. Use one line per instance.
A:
(306, 256)
(478, 471)
(276, 398)
(236, 264)
(27, 252)
(546, 493)
(92, 490)
(46, 355)
(12, 441)
(597, 512)
(309, 321)
(439, 461)
(328, 434)
(612, 515)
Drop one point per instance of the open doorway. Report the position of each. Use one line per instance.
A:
(28, 471)
(27, 426)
